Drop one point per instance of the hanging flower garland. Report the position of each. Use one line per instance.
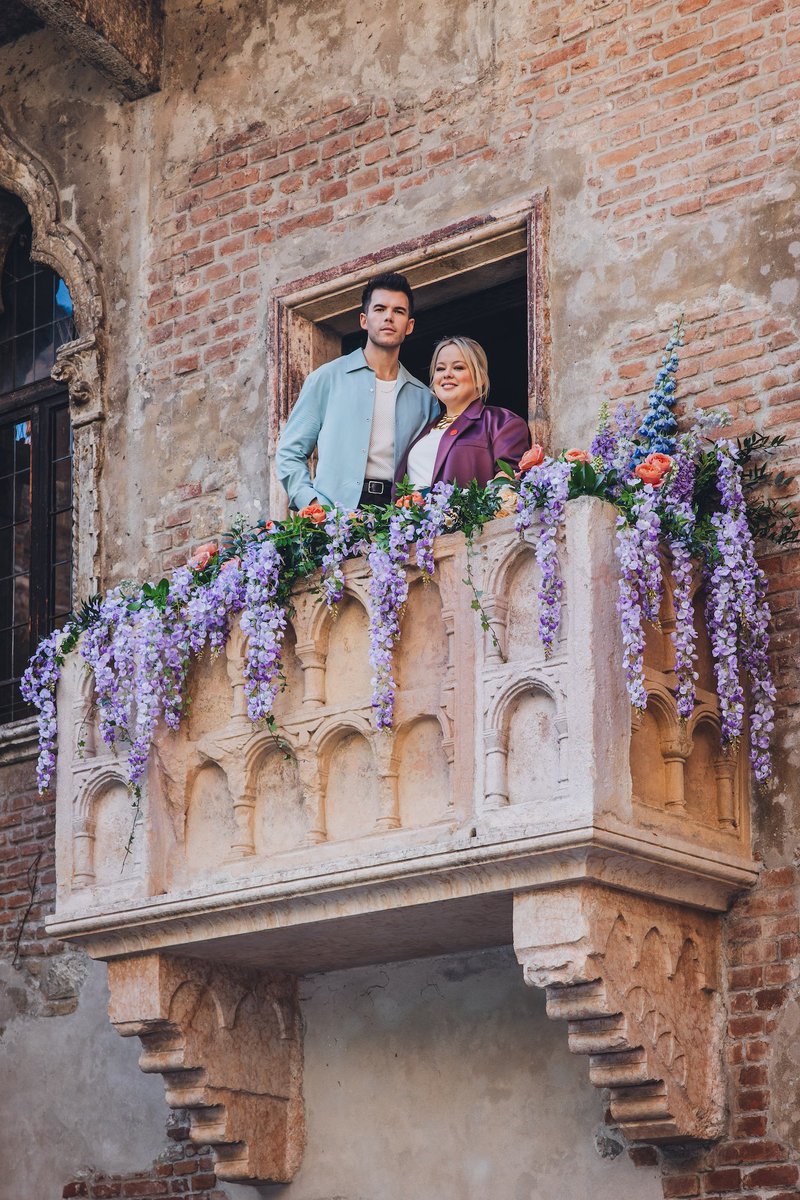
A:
(543, 493)
(679, 540)
(139, 642)
(264, 620)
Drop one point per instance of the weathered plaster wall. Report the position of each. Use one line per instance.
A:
(73, 1094)
(444, 1077)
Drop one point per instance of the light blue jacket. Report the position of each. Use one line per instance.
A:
(334, 413)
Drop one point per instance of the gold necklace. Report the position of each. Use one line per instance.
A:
(444, 421)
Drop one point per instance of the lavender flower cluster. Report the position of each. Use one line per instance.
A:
(684, 636)
(38, 687)
(340, 539)
(264, 622)
(388, 592)
(738, 617)
(640, 586)
(543, 493)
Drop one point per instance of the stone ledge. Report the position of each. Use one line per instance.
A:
(19, 741)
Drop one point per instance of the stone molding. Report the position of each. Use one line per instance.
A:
(637, 981)
(229, 1045)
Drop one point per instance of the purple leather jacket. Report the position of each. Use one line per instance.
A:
(472, 445)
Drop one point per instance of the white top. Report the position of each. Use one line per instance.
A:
(422, 459)
(380, 457)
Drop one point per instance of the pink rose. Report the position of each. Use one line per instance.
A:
(202, 556)
(532, 458)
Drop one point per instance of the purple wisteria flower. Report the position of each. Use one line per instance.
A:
(388, 592)
(739, 617)
(340, 535)
(679, 492)
(38, 687)
(108, 649)
(543, 493)
(640, 587)
(438, 513)
(264, 622)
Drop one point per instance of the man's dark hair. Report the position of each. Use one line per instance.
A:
(389, 281)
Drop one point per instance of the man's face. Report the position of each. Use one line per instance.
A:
(387, 320)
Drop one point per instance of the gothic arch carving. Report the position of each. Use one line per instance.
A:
(78, 363)
(54, 244)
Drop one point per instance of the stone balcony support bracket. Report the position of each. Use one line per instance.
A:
(229, 1046)
(636, 980)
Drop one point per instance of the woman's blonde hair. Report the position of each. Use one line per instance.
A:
(474, 356)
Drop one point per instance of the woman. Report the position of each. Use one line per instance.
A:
(469, 438)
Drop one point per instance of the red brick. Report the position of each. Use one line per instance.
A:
(749, 1152)
(681, 1185)
(772, 1176)
(723, 1180)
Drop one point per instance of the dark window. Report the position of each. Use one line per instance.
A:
(35, 465)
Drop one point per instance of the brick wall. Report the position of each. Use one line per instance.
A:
(679, 111)
(27, 891)
(182, 1170)
(761, 950)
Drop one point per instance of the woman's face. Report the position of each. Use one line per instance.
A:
(452, 381)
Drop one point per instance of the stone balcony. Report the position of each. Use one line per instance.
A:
(514, 802)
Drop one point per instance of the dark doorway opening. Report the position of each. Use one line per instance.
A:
(497, 317)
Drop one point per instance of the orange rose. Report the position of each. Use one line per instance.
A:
(661, 462)
(654, 468)
(314, 512)
(532, 458)
(269, 525)
(649, 474)
(230, 563)
(407, 501)
(573, 456)
(202, 556)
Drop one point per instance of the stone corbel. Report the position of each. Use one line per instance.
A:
(77, 365)
(636, 980)
(228, 1042)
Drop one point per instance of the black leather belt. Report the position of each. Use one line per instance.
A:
(376, 491)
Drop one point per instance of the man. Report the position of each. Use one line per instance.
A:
(361, 411)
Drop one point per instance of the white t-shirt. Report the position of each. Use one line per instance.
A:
(380, 457)
(422, 459)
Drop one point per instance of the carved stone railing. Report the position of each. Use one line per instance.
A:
(515, 801)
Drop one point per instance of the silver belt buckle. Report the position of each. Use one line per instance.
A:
(375, 487)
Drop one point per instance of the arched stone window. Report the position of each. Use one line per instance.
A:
(35, 463)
